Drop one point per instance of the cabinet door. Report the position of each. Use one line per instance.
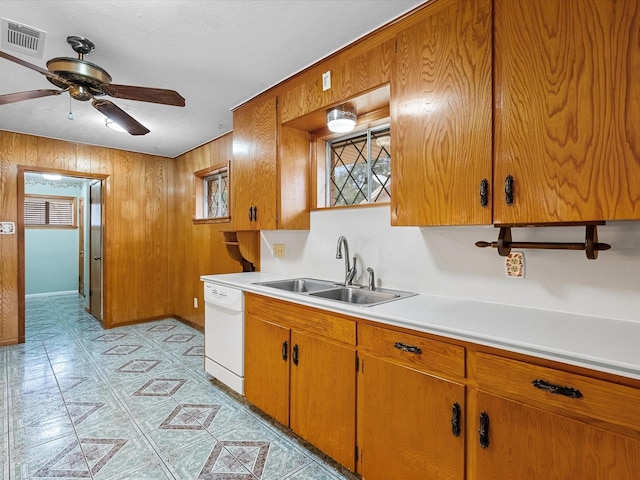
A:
(323, 396)
(405, 424)
(253, 171)
(530, 444)
(566, 110)
(266, 359)
(441, 116)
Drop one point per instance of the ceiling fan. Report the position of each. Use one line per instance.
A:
(86, 81)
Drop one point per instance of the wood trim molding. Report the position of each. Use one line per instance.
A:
(22, 170)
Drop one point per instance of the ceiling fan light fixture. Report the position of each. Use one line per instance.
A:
(85, 81)
(113, 125)
(342, 119)
(79, 92)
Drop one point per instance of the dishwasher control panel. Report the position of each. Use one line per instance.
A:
(230, 298)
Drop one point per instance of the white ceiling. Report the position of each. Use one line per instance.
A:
(215, 53)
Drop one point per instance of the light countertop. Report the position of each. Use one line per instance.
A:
(602, 344)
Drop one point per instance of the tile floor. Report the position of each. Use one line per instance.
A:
(130, 403)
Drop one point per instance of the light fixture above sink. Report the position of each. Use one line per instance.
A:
(342, 119)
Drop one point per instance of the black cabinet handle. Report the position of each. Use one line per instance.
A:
(508, 190)
(294, 354)
(285, 350)
(557, 389)
(484, 193)
(455, 419)
(255, 214)
(483, 431)
(250, 214)
(407, 348)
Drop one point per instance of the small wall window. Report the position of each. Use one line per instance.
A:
(359, 168)
(42, 211)
(212, 194)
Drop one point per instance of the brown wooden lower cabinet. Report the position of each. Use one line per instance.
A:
(406, 423)
(527, 443)
(266, 383)
(542, 422)
(323, 396)
(301, 370)
(432, 408)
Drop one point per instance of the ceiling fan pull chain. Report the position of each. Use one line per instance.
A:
(70, 114)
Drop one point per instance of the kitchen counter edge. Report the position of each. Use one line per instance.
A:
(602, 344)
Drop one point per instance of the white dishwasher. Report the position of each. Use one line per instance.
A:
(224, 334)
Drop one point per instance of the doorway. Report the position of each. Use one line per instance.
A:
(90, 239)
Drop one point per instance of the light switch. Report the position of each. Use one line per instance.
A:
(326, 80)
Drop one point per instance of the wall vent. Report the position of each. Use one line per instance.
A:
(22, 38)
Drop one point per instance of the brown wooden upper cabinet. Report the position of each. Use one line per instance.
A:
(441, 116)
(566, 110)
(565, 144)
(270, 170)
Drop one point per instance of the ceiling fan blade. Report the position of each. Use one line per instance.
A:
(115, 113)
(20, 96)
(36, 68)
(144, 94)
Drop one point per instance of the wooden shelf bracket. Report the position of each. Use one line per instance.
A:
(591, 246)
(244, 247)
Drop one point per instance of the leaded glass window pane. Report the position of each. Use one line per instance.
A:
(360, 168)
(217, 195)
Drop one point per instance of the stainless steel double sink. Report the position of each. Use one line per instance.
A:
(352, 294)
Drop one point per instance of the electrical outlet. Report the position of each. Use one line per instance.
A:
(514, 264)
(278, 250)
(195, 302)
(326, 81)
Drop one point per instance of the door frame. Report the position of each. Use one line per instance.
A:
(22, 169)
(81, 252)
(93, 306)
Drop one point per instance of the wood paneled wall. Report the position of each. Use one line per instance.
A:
(154, 254)
(356, 69)
(195, 249)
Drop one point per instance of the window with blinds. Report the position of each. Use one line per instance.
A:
(49, 211)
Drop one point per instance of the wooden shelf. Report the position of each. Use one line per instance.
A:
(244, 247)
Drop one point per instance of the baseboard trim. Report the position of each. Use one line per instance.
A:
(189, 323)
(51, 294)
(162, 317)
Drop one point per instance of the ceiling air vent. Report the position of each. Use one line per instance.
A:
(22, 38)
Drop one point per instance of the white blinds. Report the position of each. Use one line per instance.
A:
(49, 211)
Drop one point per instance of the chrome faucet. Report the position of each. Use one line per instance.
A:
(349, 271)
(372, 279)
